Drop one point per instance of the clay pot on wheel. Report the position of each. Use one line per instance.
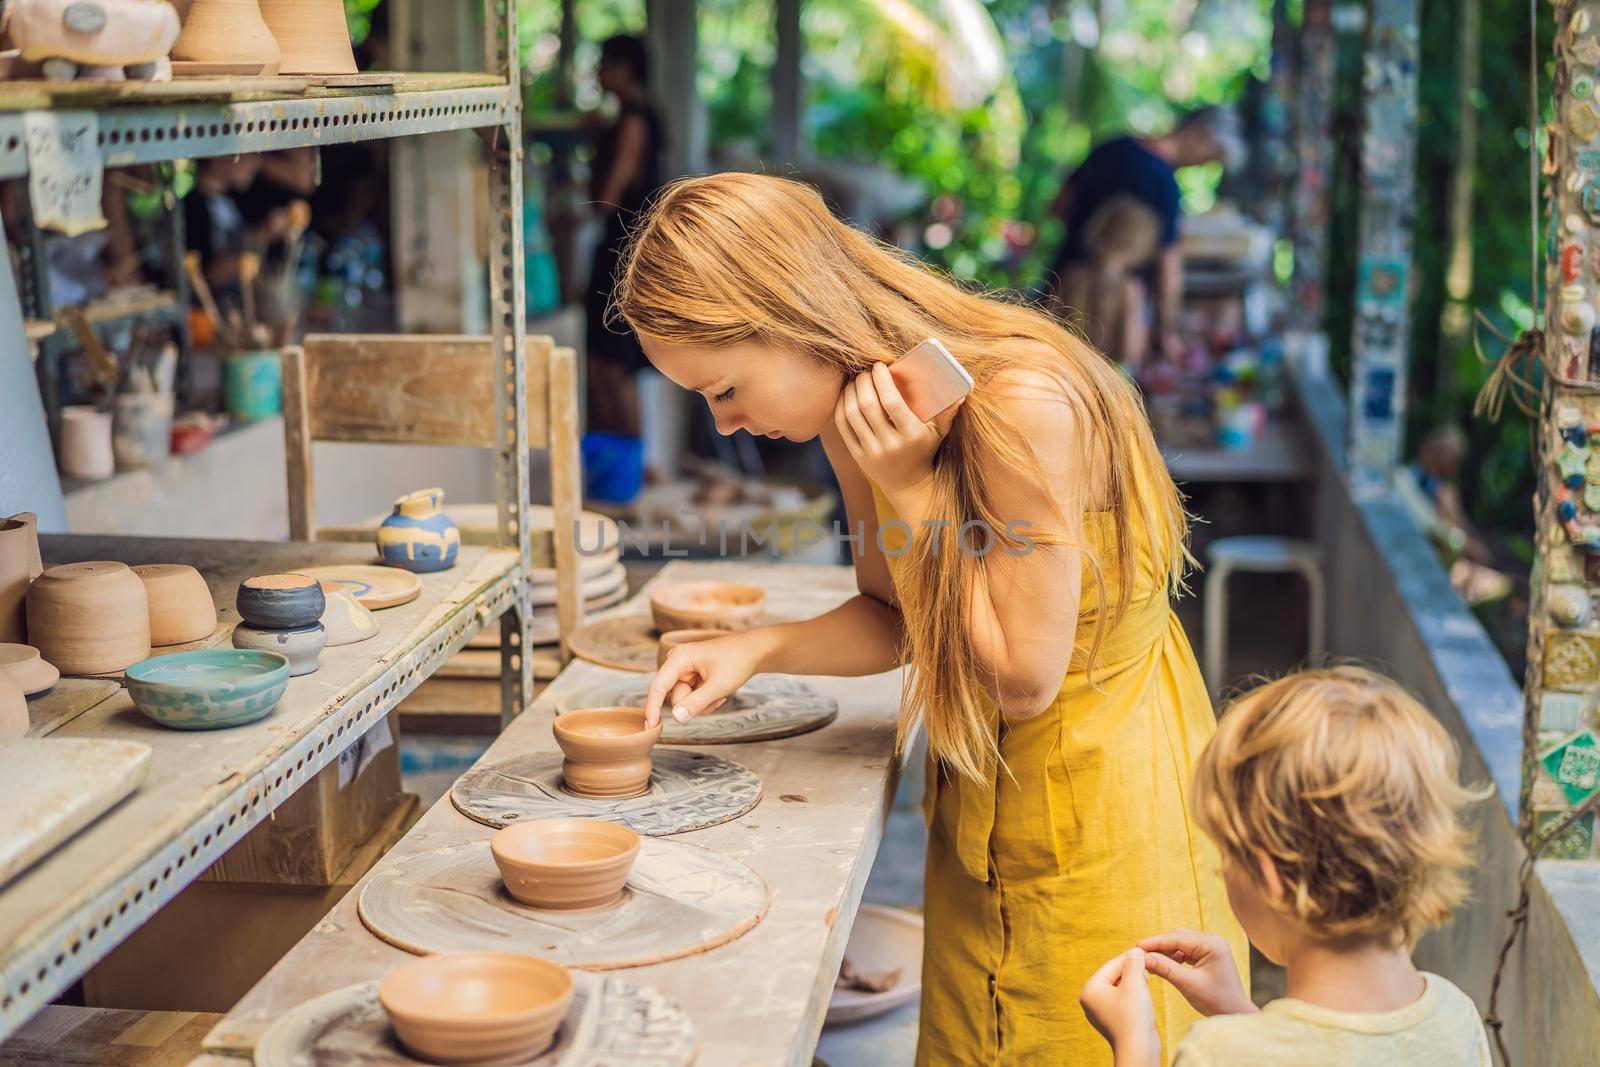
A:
(707, 606)
(181, 608)
(313, 35)
(227, 31)
(673, 638)
(565, 864)
(89, 618)
(476, 1007)
(607, 751)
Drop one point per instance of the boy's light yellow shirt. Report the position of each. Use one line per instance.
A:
(1441, 1029)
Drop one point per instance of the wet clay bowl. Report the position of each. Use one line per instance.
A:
(673, 638)
(181, 609)
(476, 1007)
(89, 618)
(27, 669)
(607, 751)
(565, 864)
(707, 606)
(280, 601)
(210, 689)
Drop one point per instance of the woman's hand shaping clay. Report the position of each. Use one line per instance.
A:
(699, 676)
(893, 446)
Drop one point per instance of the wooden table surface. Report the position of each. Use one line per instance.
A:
(207, 788)
(759, 1000)
(1279, 454)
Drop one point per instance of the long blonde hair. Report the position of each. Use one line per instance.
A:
(730, 258)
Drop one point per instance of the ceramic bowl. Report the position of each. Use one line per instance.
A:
(181, 608)
(707, 606)
(345, 618)
(209, 689)
(565, 864)
(673, 638)
(302, 645)
(89, 618)
(607, 750)
(476, 1007)
(27, 669)
(280, 601)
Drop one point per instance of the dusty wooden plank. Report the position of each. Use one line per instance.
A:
(23, 95)
(65, 701)
(297, 445)
(411, 389)
(61, 1035)
(211, 787)
(566, 492)
(812, 838)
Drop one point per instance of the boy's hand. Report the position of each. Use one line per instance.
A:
(1200, 966)
(1117, 1001)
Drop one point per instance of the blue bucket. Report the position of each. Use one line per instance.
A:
(613, 467)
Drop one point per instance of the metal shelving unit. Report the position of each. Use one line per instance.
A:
(135, 129)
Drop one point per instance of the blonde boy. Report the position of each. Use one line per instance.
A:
(1332, 796)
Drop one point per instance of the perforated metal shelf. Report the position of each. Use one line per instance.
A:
(132, 131)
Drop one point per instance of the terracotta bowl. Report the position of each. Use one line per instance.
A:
(673, 638)
(209, 689)
(476, 1007)
(89, 618)
(707, 606)
(607, 750)
(27, 669)
(565, 864)
(280, 601)
(181, 608)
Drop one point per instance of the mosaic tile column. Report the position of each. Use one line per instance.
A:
(1561, 758)
(1313, 153)
(1382, 321)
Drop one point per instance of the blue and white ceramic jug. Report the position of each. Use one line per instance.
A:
(419, 536)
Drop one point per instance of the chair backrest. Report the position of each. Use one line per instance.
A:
(407, 389)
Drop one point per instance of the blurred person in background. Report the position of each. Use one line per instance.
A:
(1145, 168)
(1104, 296)
(627, 170)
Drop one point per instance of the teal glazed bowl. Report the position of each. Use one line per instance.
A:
(209, 689)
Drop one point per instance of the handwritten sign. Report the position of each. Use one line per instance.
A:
(64, 170)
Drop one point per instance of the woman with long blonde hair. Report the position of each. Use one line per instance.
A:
(1019, 556)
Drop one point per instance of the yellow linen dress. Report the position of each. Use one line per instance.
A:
(1082, 845)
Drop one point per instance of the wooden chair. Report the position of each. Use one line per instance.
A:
(433, 390)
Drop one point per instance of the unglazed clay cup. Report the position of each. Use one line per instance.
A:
(565, 864)
(181, 608)
(302, 646)
(27, 669)
(707, 606)
(280, 601)
(476, 1007)
(607, 750)
(673, 638)
(89, 618)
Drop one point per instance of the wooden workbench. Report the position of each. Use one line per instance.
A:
(205, 789)
(759, 999)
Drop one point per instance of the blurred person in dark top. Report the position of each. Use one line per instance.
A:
(1144, 168)
(627, 169)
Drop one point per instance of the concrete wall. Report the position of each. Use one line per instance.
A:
(1391, 604)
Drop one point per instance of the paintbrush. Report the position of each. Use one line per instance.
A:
(197, 281)
(249, 267)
